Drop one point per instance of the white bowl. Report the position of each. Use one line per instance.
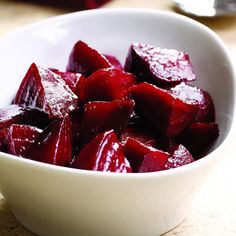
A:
(51, 200)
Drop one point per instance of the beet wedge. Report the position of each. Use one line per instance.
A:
(102, 153)
(46, 91)
(15, 114)
(73, 80)
(107, 85)
(137, 154)
(3, 136)
(54, 144)
(102, 116)
(179, 156)
(86, 60)
(20, 138)
(199, 137)
(194, 95)
(162, 110)
(158, 65)
(114, 61)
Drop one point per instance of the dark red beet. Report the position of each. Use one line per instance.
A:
(135, 151)
(20, 138)
(114, 61)
(86, 60)
(179, 156)
(198, 137)
(46, 91)
(194, 95)
(54, 144)
(154, 161)
(107, 85)
(139, 133)
(91, 4)
(15, 114)
(102, 116)
(158, 65)
(3, 135)
(162, 110)
(102, 153)
(73, 80)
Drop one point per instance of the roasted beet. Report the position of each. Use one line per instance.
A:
(140, 133)
(102, 116)
(54, 144)
(162, 110)
(138, 155)
(46, 91)
(198, 138)
(154, 161)
(102, 153)
(3, 136)
(114, 61)
(194, 95)
(86, 60)
(91, 4)
(158, 65)
(73, 80)
(20, 138)
(107, 85)
(179, 156)
(15, 114)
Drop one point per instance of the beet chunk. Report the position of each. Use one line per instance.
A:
(86, 60)
(54, 144)
(3, 135)
(144, 158)
(139, 133)
(154, 161)
(114, 61)
(15, 114)
(157, 65)
(102, 116)
(162, 110)
(179, 156)
(73, 80)
(102, 153)
(20, 138)
(107, 85)
(46, 91)
(198, 137)
(194, 95)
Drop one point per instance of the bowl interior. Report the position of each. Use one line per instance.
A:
(48, 43)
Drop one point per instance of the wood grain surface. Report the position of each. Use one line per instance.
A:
(214, 212)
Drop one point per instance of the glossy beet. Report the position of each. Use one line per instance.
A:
(54, 144)
(102, 153)
(86, 60)
(73, 80)
(140, 133)
(107, 85)
(15, 114)
(198, 137)
(179, 156)
(194, 95)
(20, 138)
(154, 161)
(161, 110)
(46, 91)
(102, 116)
(144, 158)
(114, 61)
(158, 65)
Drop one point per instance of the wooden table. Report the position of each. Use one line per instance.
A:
(215, 210)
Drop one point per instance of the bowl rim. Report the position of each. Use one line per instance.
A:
(176, 171)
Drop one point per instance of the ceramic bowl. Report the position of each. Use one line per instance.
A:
(51, 200)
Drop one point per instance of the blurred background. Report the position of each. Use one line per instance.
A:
(215, 213)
